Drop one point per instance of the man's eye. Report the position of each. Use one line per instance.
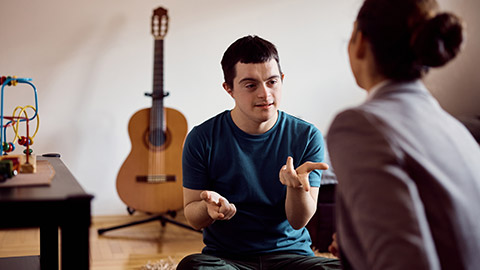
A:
(273, 82)
(250, 85)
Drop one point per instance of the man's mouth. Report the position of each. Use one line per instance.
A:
(265, 105)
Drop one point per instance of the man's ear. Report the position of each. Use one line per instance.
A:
(228, 89)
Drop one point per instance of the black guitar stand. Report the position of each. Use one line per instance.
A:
(163, 220)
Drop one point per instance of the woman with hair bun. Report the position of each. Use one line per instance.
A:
(408, 173)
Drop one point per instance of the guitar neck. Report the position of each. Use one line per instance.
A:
(158, 68)
(156, 114)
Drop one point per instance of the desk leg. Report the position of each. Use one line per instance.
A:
(75, 234)
(75, 248)
(48, 247)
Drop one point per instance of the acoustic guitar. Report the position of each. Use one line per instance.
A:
(150, 179)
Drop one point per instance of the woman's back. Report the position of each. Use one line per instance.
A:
(411, 170)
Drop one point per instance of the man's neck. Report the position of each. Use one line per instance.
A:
(252, 127)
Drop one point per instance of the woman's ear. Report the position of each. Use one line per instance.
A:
(359, 45)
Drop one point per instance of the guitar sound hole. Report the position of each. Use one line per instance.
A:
(157, 137)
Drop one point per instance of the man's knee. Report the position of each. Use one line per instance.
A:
(202, 261)
(188, 262)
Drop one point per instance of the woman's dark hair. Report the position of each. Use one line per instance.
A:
(247, 50)
(409, 36)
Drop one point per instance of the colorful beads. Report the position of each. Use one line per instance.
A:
(11, 147)
(12, 80)
(23, 141)
(8, 147)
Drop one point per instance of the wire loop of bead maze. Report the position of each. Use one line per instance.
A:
(14, 122)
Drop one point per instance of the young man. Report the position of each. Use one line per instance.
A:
(251, 174)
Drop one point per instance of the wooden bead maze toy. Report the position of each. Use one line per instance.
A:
(11, 164)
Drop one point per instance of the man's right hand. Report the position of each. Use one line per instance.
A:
(218, 206)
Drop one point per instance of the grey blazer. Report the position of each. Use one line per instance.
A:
(408, 194)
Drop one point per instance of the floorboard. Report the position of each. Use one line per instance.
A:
(126, 248)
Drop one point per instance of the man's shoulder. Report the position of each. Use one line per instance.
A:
(297, 122)
(208, 132)
(213, 121)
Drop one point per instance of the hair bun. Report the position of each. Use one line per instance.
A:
(438, 40)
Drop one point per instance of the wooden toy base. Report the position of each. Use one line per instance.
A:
(43, 176)
(30, 167)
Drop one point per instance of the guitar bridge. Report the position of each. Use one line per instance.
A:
(158, 178)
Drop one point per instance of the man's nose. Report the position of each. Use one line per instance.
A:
(264, 91)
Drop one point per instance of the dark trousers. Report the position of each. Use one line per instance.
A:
(267, 261)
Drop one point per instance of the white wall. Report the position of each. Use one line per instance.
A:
(92, 61)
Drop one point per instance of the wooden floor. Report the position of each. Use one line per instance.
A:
(126, 248)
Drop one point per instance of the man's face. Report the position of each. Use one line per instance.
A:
(257, 93)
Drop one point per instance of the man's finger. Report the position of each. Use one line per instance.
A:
(218, 215)
(290, 164)
(204, 195)
(288, 167)
(308, 167)
(209, 197)
(305, 183)
(222, 201)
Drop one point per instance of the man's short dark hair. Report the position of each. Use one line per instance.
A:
(247, 50)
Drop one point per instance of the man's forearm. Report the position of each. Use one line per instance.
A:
(300, 206)
(197, 215)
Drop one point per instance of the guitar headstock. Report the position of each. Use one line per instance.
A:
(159, 23)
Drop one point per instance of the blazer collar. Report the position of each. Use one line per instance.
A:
(390, 87)
(376, 87)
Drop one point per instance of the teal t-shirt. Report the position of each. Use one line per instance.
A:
(244, 168)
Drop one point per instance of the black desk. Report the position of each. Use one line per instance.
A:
(63, 204)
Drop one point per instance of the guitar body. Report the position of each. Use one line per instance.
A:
(162, 163)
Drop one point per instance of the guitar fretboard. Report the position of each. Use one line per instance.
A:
(157, 125)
